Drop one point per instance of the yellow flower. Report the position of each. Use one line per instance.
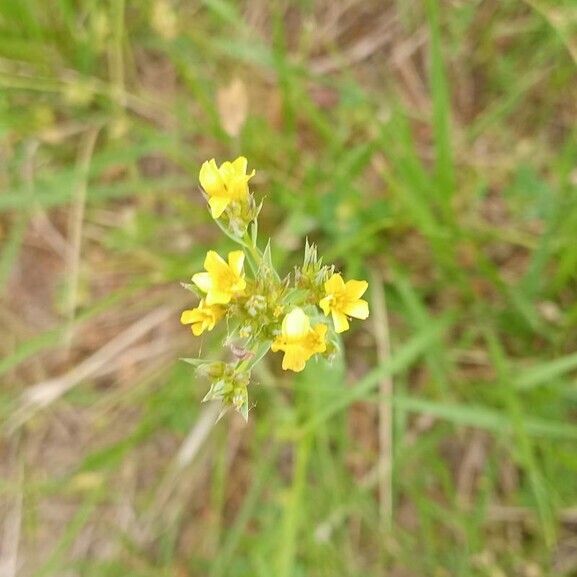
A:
(224, 183)
(344, 300)
(202, 318)
(222, 281)
(299, 340)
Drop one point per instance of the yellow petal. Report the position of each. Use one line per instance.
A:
(218, 205)
(355, 289)
(190, 316)
(321, 329)
(203, 281)
(197, 329)
(335, 284)
(216, 313)
(358, 309)
(235, 261)
(296, 324)
(218, 298)
(340, 321)
(239, 285)
(277, 345)
(238, 188)
(319, 345)
(293, 360)
(325, 305)
(227, 171)
(214, 263)
(240, 165)
(210, 178)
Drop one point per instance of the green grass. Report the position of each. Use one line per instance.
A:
(443, 163)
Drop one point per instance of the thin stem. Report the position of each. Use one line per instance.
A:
(253, 249)
(229, 234)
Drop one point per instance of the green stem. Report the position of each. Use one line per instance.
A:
(253, 249)
(229, 234)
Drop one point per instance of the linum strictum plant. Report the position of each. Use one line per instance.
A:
(263, 311)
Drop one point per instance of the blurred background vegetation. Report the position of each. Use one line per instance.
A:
(429, 146)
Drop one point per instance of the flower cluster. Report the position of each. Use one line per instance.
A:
(263, 311)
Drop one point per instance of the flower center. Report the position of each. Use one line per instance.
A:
(226, 279)
(339, 301)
